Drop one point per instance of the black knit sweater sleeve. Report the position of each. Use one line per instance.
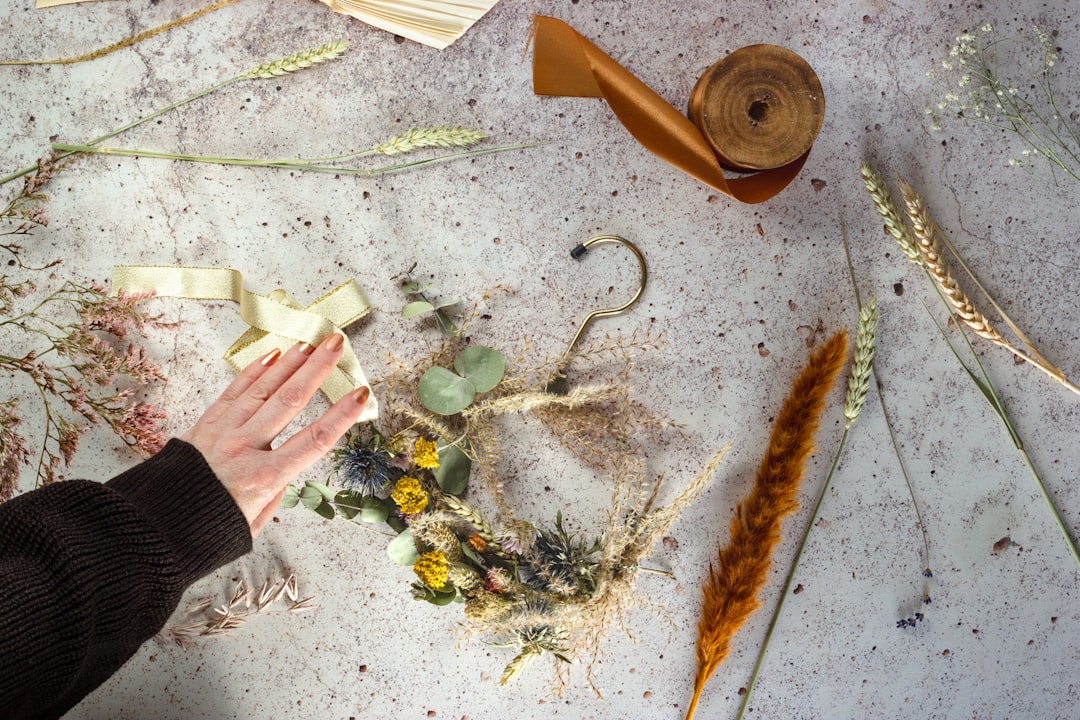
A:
(90, 571)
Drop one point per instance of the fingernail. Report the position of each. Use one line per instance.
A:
(271, 357)
(305, 348)
(334, 342)
(360, 395)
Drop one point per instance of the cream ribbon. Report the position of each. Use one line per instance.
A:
(277, 320)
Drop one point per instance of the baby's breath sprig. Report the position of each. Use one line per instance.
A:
(996, 76)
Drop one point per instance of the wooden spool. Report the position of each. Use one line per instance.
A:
(760, 107)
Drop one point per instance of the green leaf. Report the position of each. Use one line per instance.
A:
(348, 503)
(483, 366)
(292, 497)
(373, 510)
(446, 302)
(415, 309)
(310, 497)
(402, 549)
(441, 597)
(453, 471)
(443, 392)
(326, 510)
(396, 523)
(323, 489)
(411, 287)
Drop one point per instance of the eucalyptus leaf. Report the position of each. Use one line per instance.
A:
(447, 302)
(323, 489)
(441, 597)
(292, 497)
(395, 522)
(402, 549)
(348, 504)
(310, 497)
(481, 365)
(326, 510)
(416, 309)
(444, 392)
(411, 287)
(453, 471)
(373, 510)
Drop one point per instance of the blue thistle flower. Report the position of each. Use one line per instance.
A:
(362, 465)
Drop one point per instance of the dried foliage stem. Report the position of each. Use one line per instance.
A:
(128, 41)
(742, 566)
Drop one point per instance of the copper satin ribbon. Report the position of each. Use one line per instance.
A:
(566, 64)
(276, 320)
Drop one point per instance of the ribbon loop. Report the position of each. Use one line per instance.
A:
(276, 320)
(567, 64)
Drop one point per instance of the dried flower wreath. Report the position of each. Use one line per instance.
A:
(539, 589)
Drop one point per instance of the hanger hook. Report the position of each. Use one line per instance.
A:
(559, 383)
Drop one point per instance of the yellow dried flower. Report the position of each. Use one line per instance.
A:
(426, 454)
(409, 495)
(433, 569)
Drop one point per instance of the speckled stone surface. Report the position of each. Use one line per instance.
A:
(738, 292)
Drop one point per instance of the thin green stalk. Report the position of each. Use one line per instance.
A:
(275, 68)
(31, 168)
(299, 164)
(787, 583)
(987, 388)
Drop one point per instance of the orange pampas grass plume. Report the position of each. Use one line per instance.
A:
(741, 568)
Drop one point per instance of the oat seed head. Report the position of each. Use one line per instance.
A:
(879, 193)
(863, 364)
(300, 60)
(416, 138)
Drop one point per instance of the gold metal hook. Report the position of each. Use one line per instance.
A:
(559, 384)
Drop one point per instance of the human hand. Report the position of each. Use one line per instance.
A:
(235, 432)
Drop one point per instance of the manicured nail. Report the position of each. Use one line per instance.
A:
(305, 348)
(271, 357)
(361, 394)
(334, 342)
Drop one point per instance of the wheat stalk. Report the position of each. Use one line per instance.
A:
(863, 364)
(298, 61)
(416, 138)
(730, 591)
(879, 193)
(930, 250)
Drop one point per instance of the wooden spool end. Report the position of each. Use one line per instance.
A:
(760, 107)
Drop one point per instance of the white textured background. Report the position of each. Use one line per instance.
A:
(1002, 637)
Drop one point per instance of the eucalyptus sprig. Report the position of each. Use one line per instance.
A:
(292, 63)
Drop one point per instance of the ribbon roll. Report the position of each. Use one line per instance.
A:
(276, 320)
(744, 105)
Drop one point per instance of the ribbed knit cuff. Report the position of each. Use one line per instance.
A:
(180, 496)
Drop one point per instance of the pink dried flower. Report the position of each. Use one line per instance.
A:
(13, 451)
(140, 427)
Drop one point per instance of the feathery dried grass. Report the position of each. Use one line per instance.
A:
(730, 591)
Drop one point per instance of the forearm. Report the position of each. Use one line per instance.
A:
(91, 571)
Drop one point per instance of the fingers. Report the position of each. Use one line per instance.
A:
(239, 386)
(318, 438)
(282, 396)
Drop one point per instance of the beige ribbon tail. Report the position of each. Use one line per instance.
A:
(276, 320)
